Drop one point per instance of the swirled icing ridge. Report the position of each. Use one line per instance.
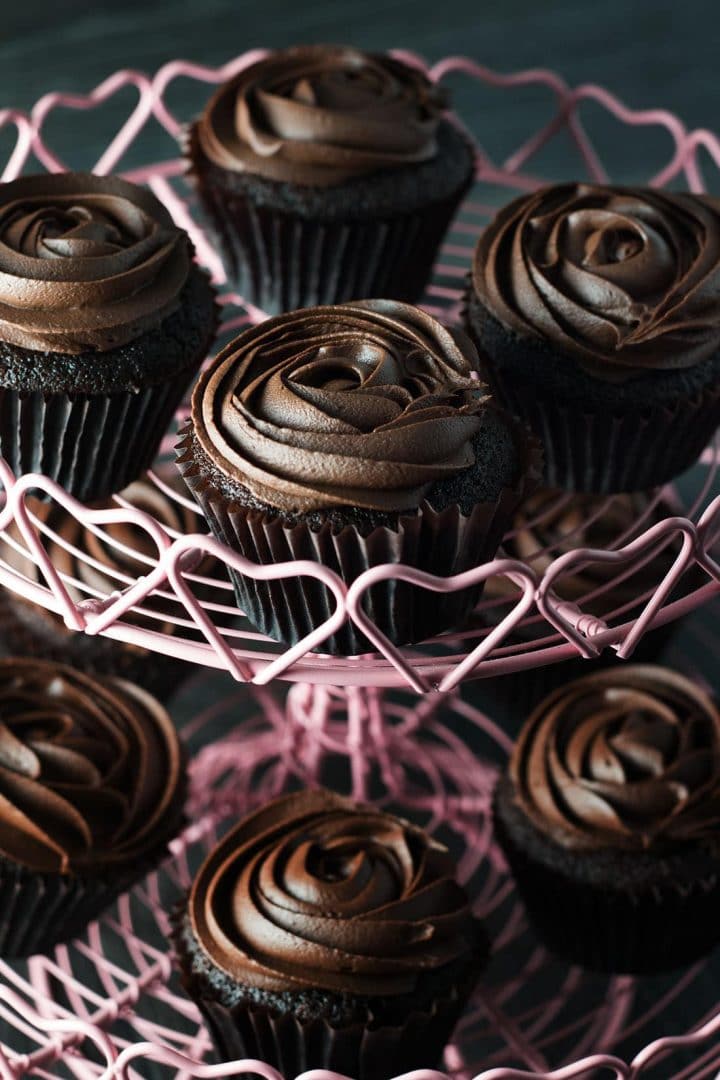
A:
(626, 280)
(321, 115)
(88, 770)
(315, 891)
(86, 262)
(625, 759)
(365, 404)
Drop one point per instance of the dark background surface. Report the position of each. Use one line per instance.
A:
(650, 53)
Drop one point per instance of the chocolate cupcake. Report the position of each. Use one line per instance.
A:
(597, 314)
(328, 174)
(98, 564)
(354, 436)
(104, 321)
(92, 783)
(609, 815)
(324, 935)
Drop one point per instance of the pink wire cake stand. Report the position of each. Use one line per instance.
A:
(390, 725)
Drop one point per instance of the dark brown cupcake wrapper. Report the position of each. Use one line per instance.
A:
(439, 542)
(280, 261)
(24, 631)
(595, 451)
(366, 1049)
(92, 444)
(366, 1053)
(606, 927)
(39, 911)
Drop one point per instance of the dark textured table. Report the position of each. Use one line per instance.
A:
(649, 52)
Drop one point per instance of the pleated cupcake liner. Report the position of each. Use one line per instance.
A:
(93, 445)
(41, 910)
(597, 451)
(369, 1050)
(364, 1052)
(608, 927)
(443, 542)
(24, 631)
(280, 261)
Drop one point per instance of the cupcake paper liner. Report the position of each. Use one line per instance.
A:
(594, 451)
(280, 261)
(364, 1049)
(39, 911)
(91, 444)
(25, 631)
(440, 542)
(604, 926)
(364, 1052)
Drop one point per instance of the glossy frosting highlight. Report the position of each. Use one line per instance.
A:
(626, 280)
(321, 115)
(626, 759)
(86, 262)
(364, 404)
(314, 891)
(88, 770)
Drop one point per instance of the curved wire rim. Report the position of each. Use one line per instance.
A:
(67, 1033)
(575, 632)
(457, 795)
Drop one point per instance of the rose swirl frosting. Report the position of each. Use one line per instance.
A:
(313, 891)
(86, 262)
(89, 771)
(627, 760)
(626, 280)
(321, 115)
(365, 404)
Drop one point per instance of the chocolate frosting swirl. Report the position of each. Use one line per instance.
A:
(313, 891)
(622, 759)
(86, 262)
(320, 115)
(89, 771)
(626, 280)
(364, 404)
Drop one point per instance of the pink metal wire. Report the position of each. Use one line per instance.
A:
(99, 1019)
(531, 1017)
(208, 633)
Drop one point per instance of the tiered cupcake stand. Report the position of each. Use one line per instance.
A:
(392, 725)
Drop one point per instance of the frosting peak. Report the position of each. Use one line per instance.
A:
(622, 759)
(88, 770)
(363, 404)
(320, 115)
(624, 279)
(313, 891)
(86, 262)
